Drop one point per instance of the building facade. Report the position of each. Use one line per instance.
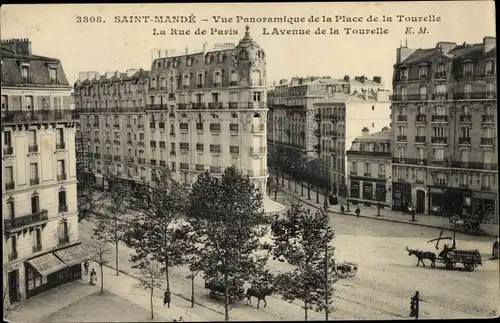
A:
(39, 198)
(200, 110)
(369, 168)
(444, 129)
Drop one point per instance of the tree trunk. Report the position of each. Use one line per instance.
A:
(317, 194)
(283, 179)
(151, 301)
(327, 282)
(308, 191)
(289, 180)
(116, 246)
(226, 299)
(192, 290)
(301, 188)
(305, 310)
(166, 274)
(102, 277)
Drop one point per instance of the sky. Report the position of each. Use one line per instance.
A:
(108, 46)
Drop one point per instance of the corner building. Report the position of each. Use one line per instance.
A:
(202, 110)
(444, 117)
(39, 197)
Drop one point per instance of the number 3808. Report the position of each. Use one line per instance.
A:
(88, 19)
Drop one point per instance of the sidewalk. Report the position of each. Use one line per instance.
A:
(386, 214)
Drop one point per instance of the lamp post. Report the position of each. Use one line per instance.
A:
(347, 194)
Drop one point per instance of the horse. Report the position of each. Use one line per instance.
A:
(260, 294)
(421, 255)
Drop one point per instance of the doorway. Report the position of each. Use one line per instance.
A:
(420, 207)
(14, 295)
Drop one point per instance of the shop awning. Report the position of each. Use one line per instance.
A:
(72, 256)
(47, 264)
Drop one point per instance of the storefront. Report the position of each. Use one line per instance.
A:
(367, 191)
(401, 196)
(53, 269)
(354, 189)
(484, 205)
(449, 201)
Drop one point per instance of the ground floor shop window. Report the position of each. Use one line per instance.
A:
(35, 279)
(436, 203)
(485, 210)
(354, 189)
(367, 191)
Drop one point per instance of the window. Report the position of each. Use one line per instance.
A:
(420, 154)
(199, 79)
(37, 238)
(403, 91)
(25, 73)
(438, 154)
(441, 69)
(29, 102)
(53, 75)
(402, 131)
(64, 230)
(62, 199)
(217, 78)
(60, 135)
(243, 55)
(368, 169)
(487, 157)
(421, 131)
(421, 109)
(439, 132)
(186, 80)
(35, 279)
(440, 89)
(13, 244)
(423, 91)
(422, 72)
(381, 169)
(172, 167)
(489, 68)
(464, 156)
(9, 175)
(468, 88)
(464, 132)
(234, 77)
(489, 132)
(468, 69)
(256, 77)
(257, 96)
(490, 88)
(5, 104)
(420, 176)
(60, 167)
(486, 181)
(33, 171)
(441, 179)
(403, 74)
(401, 152)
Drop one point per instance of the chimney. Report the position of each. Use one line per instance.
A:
(186, 51)
(446, 46)
(82, 76)
(365, 94)
(205, 48)
(365, 131)
(385, 128)
(274, 83)
(159, 54)
(109, 75)
(18, 46)
(488, 44)
(283, 81)
(402, 53)
(131, 71)
(117, 74)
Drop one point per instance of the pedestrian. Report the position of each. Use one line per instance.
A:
(86, 266)
(180, 319)
(342, 209)
(358, 211)
(166, 298)
(494, 252)
(93, 277)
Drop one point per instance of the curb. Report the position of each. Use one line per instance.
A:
(159, 287)
(378, 217)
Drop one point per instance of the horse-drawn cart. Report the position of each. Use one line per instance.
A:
(235, 290)
(470, 259)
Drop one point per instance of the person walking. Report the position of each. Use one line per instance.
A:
(342, 209)
(358, 211)
(494, 252)
(166, 298)
(86, 266)
(93, 277)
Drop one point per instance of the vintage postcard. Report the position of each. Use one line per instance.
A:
(249, 161)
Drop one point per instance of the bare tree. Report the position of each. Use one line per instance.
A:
(151, 273)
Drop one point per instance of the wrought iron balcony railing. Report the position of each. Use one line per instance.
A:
(26, 220)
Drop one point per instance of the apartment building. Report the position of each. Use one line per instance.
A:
(39, 197)
(317, 115)
(444, 129)
(369, 168)
(194, 111)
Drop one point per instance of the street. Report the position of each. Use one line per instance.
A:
(386, 279)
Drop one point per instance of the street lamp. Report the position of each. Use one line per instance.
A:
(347, 194)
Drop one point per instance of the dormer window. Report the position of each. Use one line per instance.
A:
(186, 80)
(468, 69)
(189, 61)
(168, 64)
(25, 73)
(440, 72)
(234, 78)
(208, 59)
(403, 74)
(217, 78)
(243, 55)
(176, 62)
(199, 80)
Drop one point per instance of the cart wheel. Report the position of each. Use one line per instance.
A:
(433, 264)
(468, 229)
(352, 272)
(343, 273)
(469, 267)
(449, 266)
(212, 293)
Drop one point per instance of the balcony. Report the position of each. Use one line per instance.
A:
(116, 125)
(13, 256)
(97, 156)
(162, 163)
(381, 175)
(401, 138)
(332, 117)
(129, 142)
(317, 133)
(257, 150)
(182, 106)
(257, 128)
(117, 158)
(409, 97)
(368, 153)
(26, 220)
(37, 248)
(233, 127)
(332, 134)
(129, 159)
(233, 83)
(440, 96)
(184, 166)
(161, 125)
(61, 177)
(257, 105)
(420, 139)
(367, 174)
(486, 188)
(439, 118)
(317, 116)
(487, 119)
(215, 105)
(200, 168)
(41, 116)
(233, 105)
(420, 118)
(141, 143)
(199, 106)
(172, 153)
(9, 186)
(464, 141)
(199, 126)
(9, 150)
(402, 118)
(60, 146)
(162, 145)
(34, 181)
(215, 127)
(152, 144)
(117, 142)
(108, 157)
(440, 76)
(63, 208)
(63, 240)
(141, 161)
(32, 149)
(317, 147)
(410, 161)
(216, 169)
(465, 118)
(487, 141)
(439, 140)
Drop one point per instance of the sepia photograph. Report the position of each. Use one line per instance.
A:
(198, 162)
